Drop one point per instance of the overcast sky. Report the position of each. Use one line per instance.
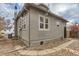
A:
(69, 11)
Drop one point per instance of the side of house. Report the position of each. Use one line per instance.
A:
(23, 28)
(40, 31)
(37, 27)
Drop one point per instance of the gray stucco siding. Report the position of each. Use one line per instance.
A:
(23, 35)
(37, 35)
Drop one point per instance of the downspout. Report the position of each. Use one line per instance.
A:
(29, 27)
(15, 28)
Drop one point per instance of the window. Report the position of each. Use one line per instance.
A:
(41, 25)
(44, 23)
(20, 22)
(41, 22)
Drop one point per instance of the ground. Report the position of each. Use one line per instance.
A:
(66, 47)
(62, 52)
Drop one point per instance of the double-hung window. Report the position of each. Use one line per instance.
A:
(46, 23)
(43, 23)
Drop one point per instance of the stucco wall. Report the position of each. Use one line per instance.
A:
(23, 34)
(37, 35)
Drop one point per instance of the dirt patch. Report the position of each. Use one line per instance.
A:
(17, 42)
(11, 54)
(37, 49)
(74, 45)
(7, 45)
(62, 52)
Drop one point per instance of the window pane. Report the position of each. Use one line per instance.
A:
(46, 20)
(41, 19)
(46, 26)
(41, 25)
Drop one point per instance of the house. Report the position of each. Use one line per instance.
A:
(2, 26)
(36, 25)
(74, 31)
(2, 23)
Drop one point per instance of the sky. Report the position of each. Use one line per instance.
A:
(7, 10)
(69, 11)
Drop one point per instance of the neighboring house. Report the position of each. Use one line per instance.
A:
(9, 27)
(36, 25)
(2, 23)
(74, 31)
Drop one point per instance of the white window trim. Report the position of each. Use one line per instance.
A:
(44, 23)
(39, 22)
(48, 23)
